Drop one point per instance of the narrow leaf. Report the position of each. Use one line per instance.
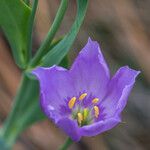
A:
(60, 50)
(45, 46)
(14, 21)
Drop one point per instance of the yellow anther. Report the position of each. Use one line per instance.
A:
(82, 96)
(80, 118)
(95, 100)
(72, 102)
(96, 111)
(85, 113)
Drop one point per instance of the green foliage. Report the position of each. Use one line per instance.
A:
(26, 110)
(3, 146)
(14, 21)
(16, 26)
(55, 55)
(46, 45)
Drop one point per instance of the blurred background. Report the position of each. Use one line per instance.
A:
(122, 27)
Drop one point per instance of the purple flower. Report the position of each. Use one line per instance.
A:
(85, 100)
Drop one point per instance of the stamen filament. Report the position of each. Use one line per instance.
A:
(82, 96)
(72, 102)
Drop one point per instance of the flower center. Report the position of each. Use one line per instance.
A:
(84, 115)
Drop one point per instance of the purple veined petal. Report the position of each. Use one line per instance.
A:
(119, 89)
(90, 74)
(55, 86)
(90, 71)
(70, 127)
(100, 126)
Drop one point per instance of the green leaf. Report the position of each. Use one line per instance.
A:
(27, 2)
(30, 29)
(14, 21)
(65, 62)
(26, 109)
(45, 46)
(55, 55)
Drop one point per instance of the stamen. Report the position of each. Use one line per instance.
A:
(96, 111)
(85, 113)
(72, 102)
(82, 96)
(80, 118)
(95, 100)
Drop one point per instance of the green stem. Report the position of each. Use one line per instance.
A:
(66, 145)
(12, 128)
(44, 48)
(30, 30)
(24, 112)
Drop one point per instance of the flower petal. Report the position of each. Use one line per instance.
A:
(55, 86)
(99, 127)
(90, 71)
(70, 127)
(119, 89)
